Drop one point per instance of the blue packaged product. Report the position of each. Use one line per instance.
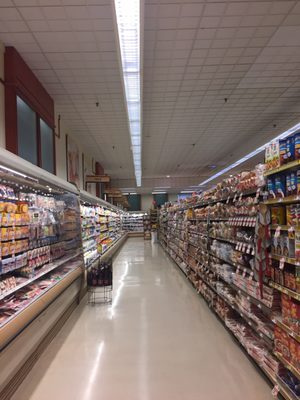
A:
(271, 188)
(282, 151)
(297, 145)
(280, 186)
(290, 149)
(293, 183)
(288, 185)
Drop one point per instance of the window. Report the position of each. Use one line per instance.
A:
(27, 134)
(35, 137)
(47, 147)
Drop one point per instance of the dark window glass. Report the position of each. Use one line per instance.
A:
(27, 138)
(47, 147)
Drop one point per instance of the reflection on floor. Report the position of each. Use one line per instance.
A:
(156, 341)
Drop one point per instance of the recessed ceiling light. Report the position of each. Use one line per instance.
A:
(260, 149)
(168, 176)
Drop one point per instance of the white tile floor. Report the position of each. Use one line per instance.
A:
(158, 341)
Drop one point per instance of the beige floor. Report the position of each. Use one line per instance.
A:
(158, 341)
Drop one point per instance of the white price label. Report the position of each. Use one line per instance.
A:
(281, 263)
(275, 391)
(277, 232)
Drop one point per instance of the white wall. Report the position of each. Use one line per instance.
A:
(172, 197)
(61, 159)
(2, 111)
(146, 202)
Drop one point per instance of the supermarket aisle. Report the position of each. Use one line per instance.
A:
(158, 341)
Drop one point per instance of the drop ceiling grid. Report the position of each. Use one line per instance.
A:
(72, 50)
(225, 61)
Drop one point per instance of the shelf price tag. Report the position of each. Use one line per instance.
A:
(281, 263)
(257, 195)
(275, 391)
(277, 232)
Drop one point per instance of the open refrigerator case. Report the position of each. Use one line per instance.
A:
(221, 242)
(101, 228)
(40, 257)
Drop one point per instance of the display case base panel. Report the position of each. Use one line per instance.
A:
(135, 234)
(19, 356)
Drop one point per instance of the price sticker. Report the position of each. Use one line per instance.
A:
(257, 195)
(281, 263)
(277, 232)
(275, 391)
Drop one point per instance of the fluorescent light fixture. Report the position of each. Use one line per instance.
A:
(132, 193)
(13, 171)
(125, 194)
(162, 187)
(187, 191)
(283, 135)
(128, 21)
(168, 176)
(159, 192)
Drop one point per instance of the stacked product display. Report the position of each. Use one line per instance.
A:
(133, 222)
(147, 227)
(101, 229)
(283, 202)
(153, 218)
(40, 242)
(220, 240)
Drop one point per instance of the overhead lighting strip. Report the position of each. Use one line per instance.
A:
(128, 21)
(283, 135)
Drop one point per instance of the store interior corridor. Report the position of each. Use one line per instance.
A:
(158, 340)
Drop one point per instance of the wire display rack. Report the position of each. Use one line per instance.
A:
(100, 283)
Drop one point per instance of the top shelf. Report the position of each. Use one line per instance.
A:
(284, 167)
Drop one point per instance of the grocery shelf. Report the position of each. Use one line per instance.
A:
(55, 265)
(252, 299)
(285, 227)
(283, 200)
(287, 329)
(286, 259)
(283, 167)
(285, 390)
(288, 365)
(285, 290)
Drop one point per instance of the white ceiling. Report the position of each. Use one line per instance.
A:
(196, 54)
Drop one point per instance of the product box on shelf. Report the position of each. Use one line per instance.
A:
(272, 156)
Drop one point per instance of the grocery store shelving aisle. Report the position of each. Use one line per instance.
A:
(157, 341)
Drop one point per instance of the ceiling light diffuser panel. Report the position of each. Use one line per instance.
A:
(128, 21)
